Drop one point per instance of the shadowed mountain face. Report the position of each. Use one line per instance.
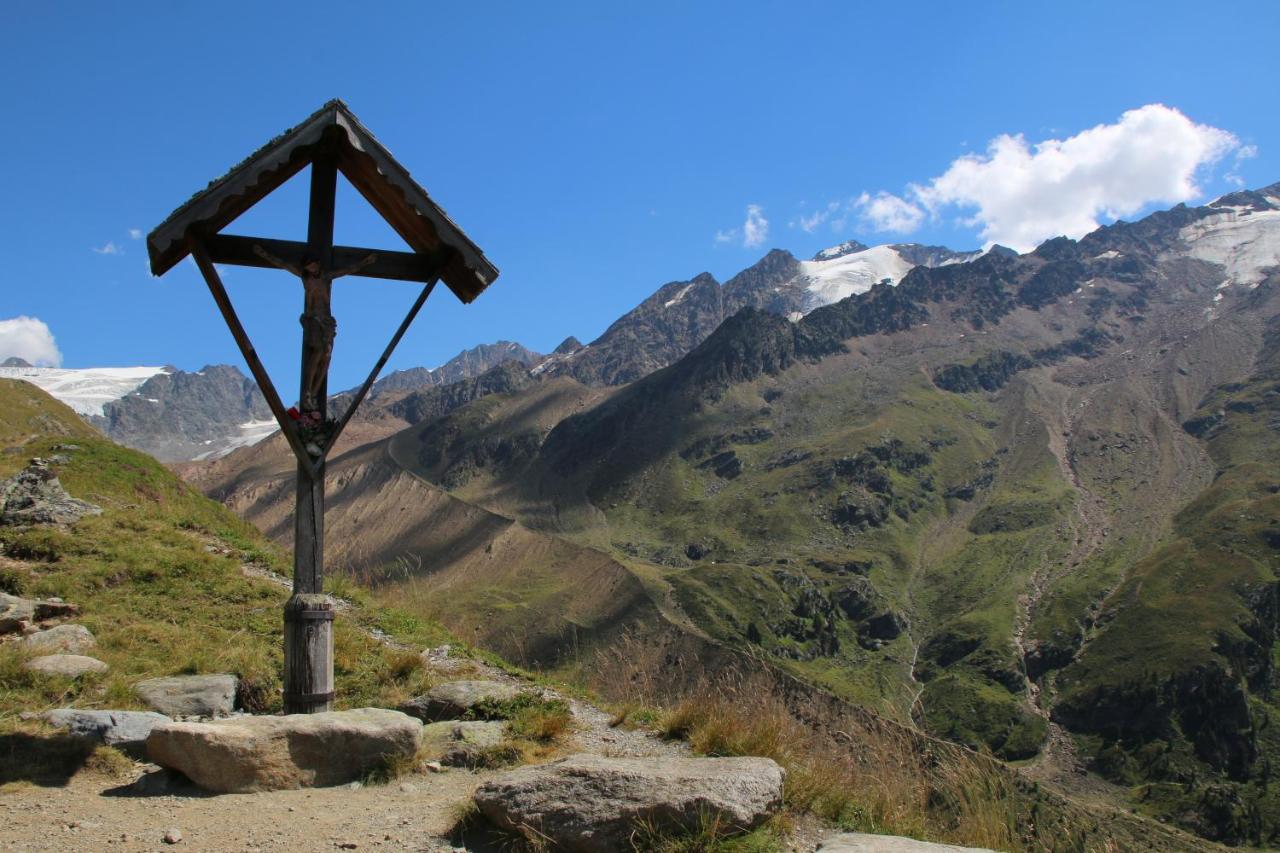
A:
(1028, 502)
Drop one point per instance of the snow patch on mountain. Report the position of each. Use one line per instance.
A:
(842, 276)
(679, 296)
(848, 247)
(250, 433)
(1245, 241)
(85, 390)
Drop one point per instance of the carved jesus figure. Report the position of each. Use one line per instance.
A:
(318, 331)
(318, 326)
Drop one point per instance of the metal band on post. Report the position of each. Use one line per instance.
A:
(308, 615)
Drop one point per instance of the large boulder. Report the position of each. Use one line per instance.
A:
(295, 751)
(35, 496)
(17, 613)
(190, 695)
(70, 639)
(860, 842)
(126, 730)
(591, 803)
(67, 666)
(460, 744)
(455, 699)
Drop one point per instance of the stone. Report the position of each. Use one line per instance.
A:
(247, 754)
(69, 666)
(454, 699)
(190, 695)
(17, 613)
(456, 744)
(589, 803)
(68, 639)
(860, 842)
(125, 730)
(35, 496)
(173, 836)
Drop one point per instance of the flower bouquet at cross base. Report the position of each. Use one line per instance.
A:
(313, 428)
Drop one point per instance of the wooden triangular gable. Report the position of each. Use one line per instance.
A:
(384, 183)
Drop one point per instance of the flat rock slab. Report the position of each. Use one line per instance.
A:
(860, 842)
(68, 639)
(17, 612)
(457, 744)
(69, 666)
(454, 699)
(249, 754)
(126, 730)
(592, 803)
(190, 695)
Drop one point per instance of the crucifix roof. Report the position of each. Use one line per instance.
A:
(384, 183)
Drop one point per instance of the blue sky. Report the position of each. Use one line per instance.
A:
(594, 150)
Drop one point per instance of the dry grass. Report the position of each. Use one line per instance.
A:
(711, 834)
(857, 772)
(542, 721)
(111, 762)
(631, 715)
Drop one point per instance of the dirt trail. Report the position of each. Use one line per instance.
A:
(91, 813)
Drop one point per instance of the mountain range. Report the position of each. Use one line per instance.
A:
(1025, 502)
(179, 416)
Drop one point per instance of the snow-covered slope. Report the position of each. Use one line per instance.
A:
(842, 276)
(850, 268)
(250, 433)
(85, 390)
(1245, 240)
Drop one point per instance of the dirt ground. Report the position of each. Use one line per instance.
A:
(93, 812)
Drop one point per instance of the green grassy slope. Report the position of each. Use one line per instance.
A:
(159, 578)
(1175, 689)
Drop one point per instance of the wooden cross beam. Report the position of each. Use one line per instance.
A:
(308, 633)
(330, 141)
(347, 260)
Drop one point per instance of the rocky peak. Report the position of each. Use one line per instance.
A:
(467, 364)
(568, 345)
(1267, 198)
(931, 256)
(179, 415)
(14, 361)
(760, 285)
(848, 247)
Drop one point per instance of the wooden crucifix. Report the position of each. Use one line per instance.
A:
(330, 141)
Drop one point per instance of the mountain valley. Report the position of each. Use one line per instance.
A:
(977, 501)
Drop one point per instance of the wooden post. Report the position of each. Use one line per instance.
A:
(308, 652)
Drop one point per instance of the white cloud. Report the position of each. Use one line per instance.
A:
(810, 223)
(135, 233)
(887, 212)
(110, 248)
(29, 338)
(755, 230)
(1244, 152)
(1020, 194)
